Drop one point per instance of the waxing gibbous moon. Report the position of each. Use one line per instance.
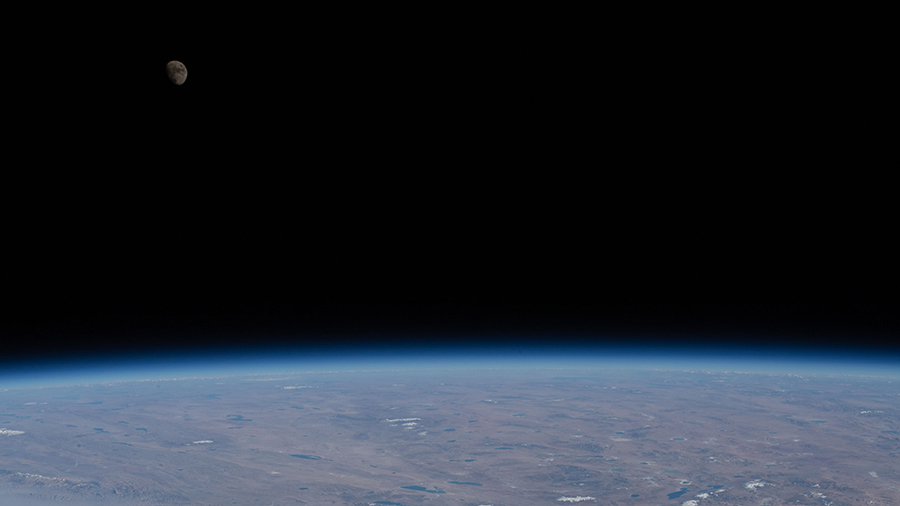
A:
(176, 71)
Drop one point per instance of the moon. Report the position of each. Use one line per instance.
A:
(176, 71)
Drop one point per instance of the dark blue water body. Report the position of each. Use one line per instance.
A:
(68, 425)
(465, 483)
(212, 396)
(470, 460)
(237, 418)
(100, 430)
(519, 414)
(635, 495)
(388, 503)
(423, 489)
(92, 403)
(889, 431)
(451, 440)
(297, 407)
(675, 495)
(504, 448)
(120, 443)
(819, 421)
(308, 457)
(678, 439)
(124, 422)
(449, 430)
(472, 421)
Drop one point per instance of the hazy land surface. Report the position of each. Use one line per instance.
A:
(499, 438)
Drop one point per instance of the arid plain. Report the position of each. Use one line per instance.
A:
(460, 437)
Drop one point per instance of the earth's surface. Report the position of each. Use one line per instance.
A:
(454, 437)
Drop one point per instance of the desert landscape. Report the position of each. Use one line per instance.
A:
(466, 437)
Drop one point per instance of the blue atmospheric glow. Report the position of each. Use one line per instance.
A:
(229, 362)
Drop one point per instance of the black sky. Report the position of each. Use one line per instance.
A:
(345, 182)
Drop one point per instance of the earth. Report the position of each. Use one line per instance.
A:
(498, 437)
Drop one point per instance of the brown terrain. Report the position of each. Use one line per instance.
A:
(499, 438)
